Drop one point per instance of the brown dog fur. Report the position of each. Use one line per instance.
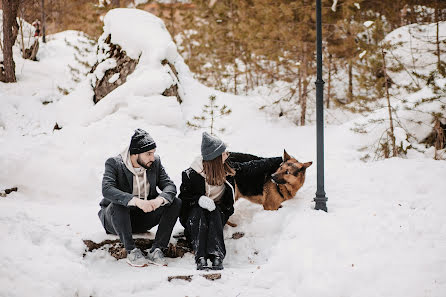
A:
(283, 184)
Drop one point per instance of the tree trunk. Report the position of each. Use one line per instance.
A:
(116, 3)
(350, 81)
(21, 37)
(172, 19)
(439, 138)
(234, 50)
(300, 85)
(437, 20)
(235, 76)
(212, 116)
(389, 107)
(10, 31)
(303, 103)
(330, 57)
(43, 22)
(246, 73)
(403, 15)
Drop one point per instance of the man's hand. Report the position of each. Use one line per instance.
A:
(149, 205)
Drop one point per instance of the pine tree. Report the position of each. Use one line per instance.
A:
(251, 43)
(210, 113)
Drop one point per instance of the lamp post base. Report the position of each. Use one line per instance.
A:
(321, 203)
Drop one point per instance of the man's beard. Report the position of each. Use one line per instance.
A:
(146, 166)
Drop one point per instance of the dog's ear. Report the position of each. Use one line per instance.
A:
(306, 165)
(286, 157)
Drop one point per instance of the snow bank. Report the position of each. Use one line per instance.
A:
(415, 48)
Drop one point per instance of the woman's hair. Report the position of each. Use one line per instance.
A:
(216, 171)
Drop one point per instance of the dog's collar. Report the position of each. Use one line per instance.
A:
(280, 193)
(278, 190)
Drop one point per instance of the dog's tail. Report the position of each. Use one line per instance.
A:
(231, 224)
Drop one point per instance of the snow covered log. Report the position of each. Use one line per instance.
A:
(8, 191)
(116, 249)
(208, 276)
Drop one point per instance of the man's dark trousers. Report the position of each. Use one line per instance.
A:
(123, 221)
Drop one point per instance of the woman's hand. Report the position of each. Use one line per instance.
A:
(206, 203)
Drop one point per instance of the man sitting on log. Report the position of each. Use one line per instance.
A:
(132, 203)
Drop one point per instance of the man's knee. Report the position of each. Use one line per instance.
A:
(117, 211)
(175, 206)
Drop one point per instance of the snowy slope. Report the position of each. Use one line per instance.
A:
(413, 50)
(384, 234)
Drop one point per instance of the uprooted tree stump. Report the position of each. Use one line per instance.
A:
(31, 53)
(116, 249)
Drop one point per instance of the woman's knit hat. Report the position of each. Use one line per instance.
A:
(211, 147)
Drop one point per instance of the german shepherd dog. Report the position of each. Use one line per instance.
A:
(270, 188)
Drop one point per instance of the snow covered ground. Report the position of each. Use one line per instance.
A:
(384, 233)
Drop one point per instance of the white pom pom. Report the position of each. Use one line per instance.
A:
(206, 203)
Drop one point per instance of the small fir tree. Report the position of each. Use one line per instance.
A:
(210, 113)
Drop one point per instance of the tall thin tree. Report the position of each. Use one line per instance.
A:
(10, 32)
(43, 22)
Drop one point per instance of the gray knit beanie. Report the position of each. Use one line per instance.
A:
(211, 147)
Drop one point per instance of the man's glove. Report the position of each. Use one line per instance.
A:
(206, 203)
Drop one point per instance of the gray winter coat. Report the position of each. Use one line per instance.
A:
(117, 182)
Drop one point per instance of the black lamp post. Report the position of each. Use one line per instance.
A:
(320, 199)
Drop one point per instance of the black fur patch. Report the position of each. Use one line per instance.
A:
(253, 184)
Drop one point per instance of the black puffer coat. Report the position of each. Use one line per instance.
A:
(193, 185)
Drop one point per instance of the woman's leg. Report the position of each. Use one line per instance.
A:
(198, 230)
(215, 242)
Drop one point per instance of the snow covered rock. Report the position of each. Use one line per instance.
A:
(111, 70)
(135, 43)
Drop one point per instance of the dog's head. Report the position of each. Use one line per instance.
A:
(290, 171)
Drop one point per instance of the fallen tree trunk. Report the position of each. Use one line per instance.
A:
(117, 250)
